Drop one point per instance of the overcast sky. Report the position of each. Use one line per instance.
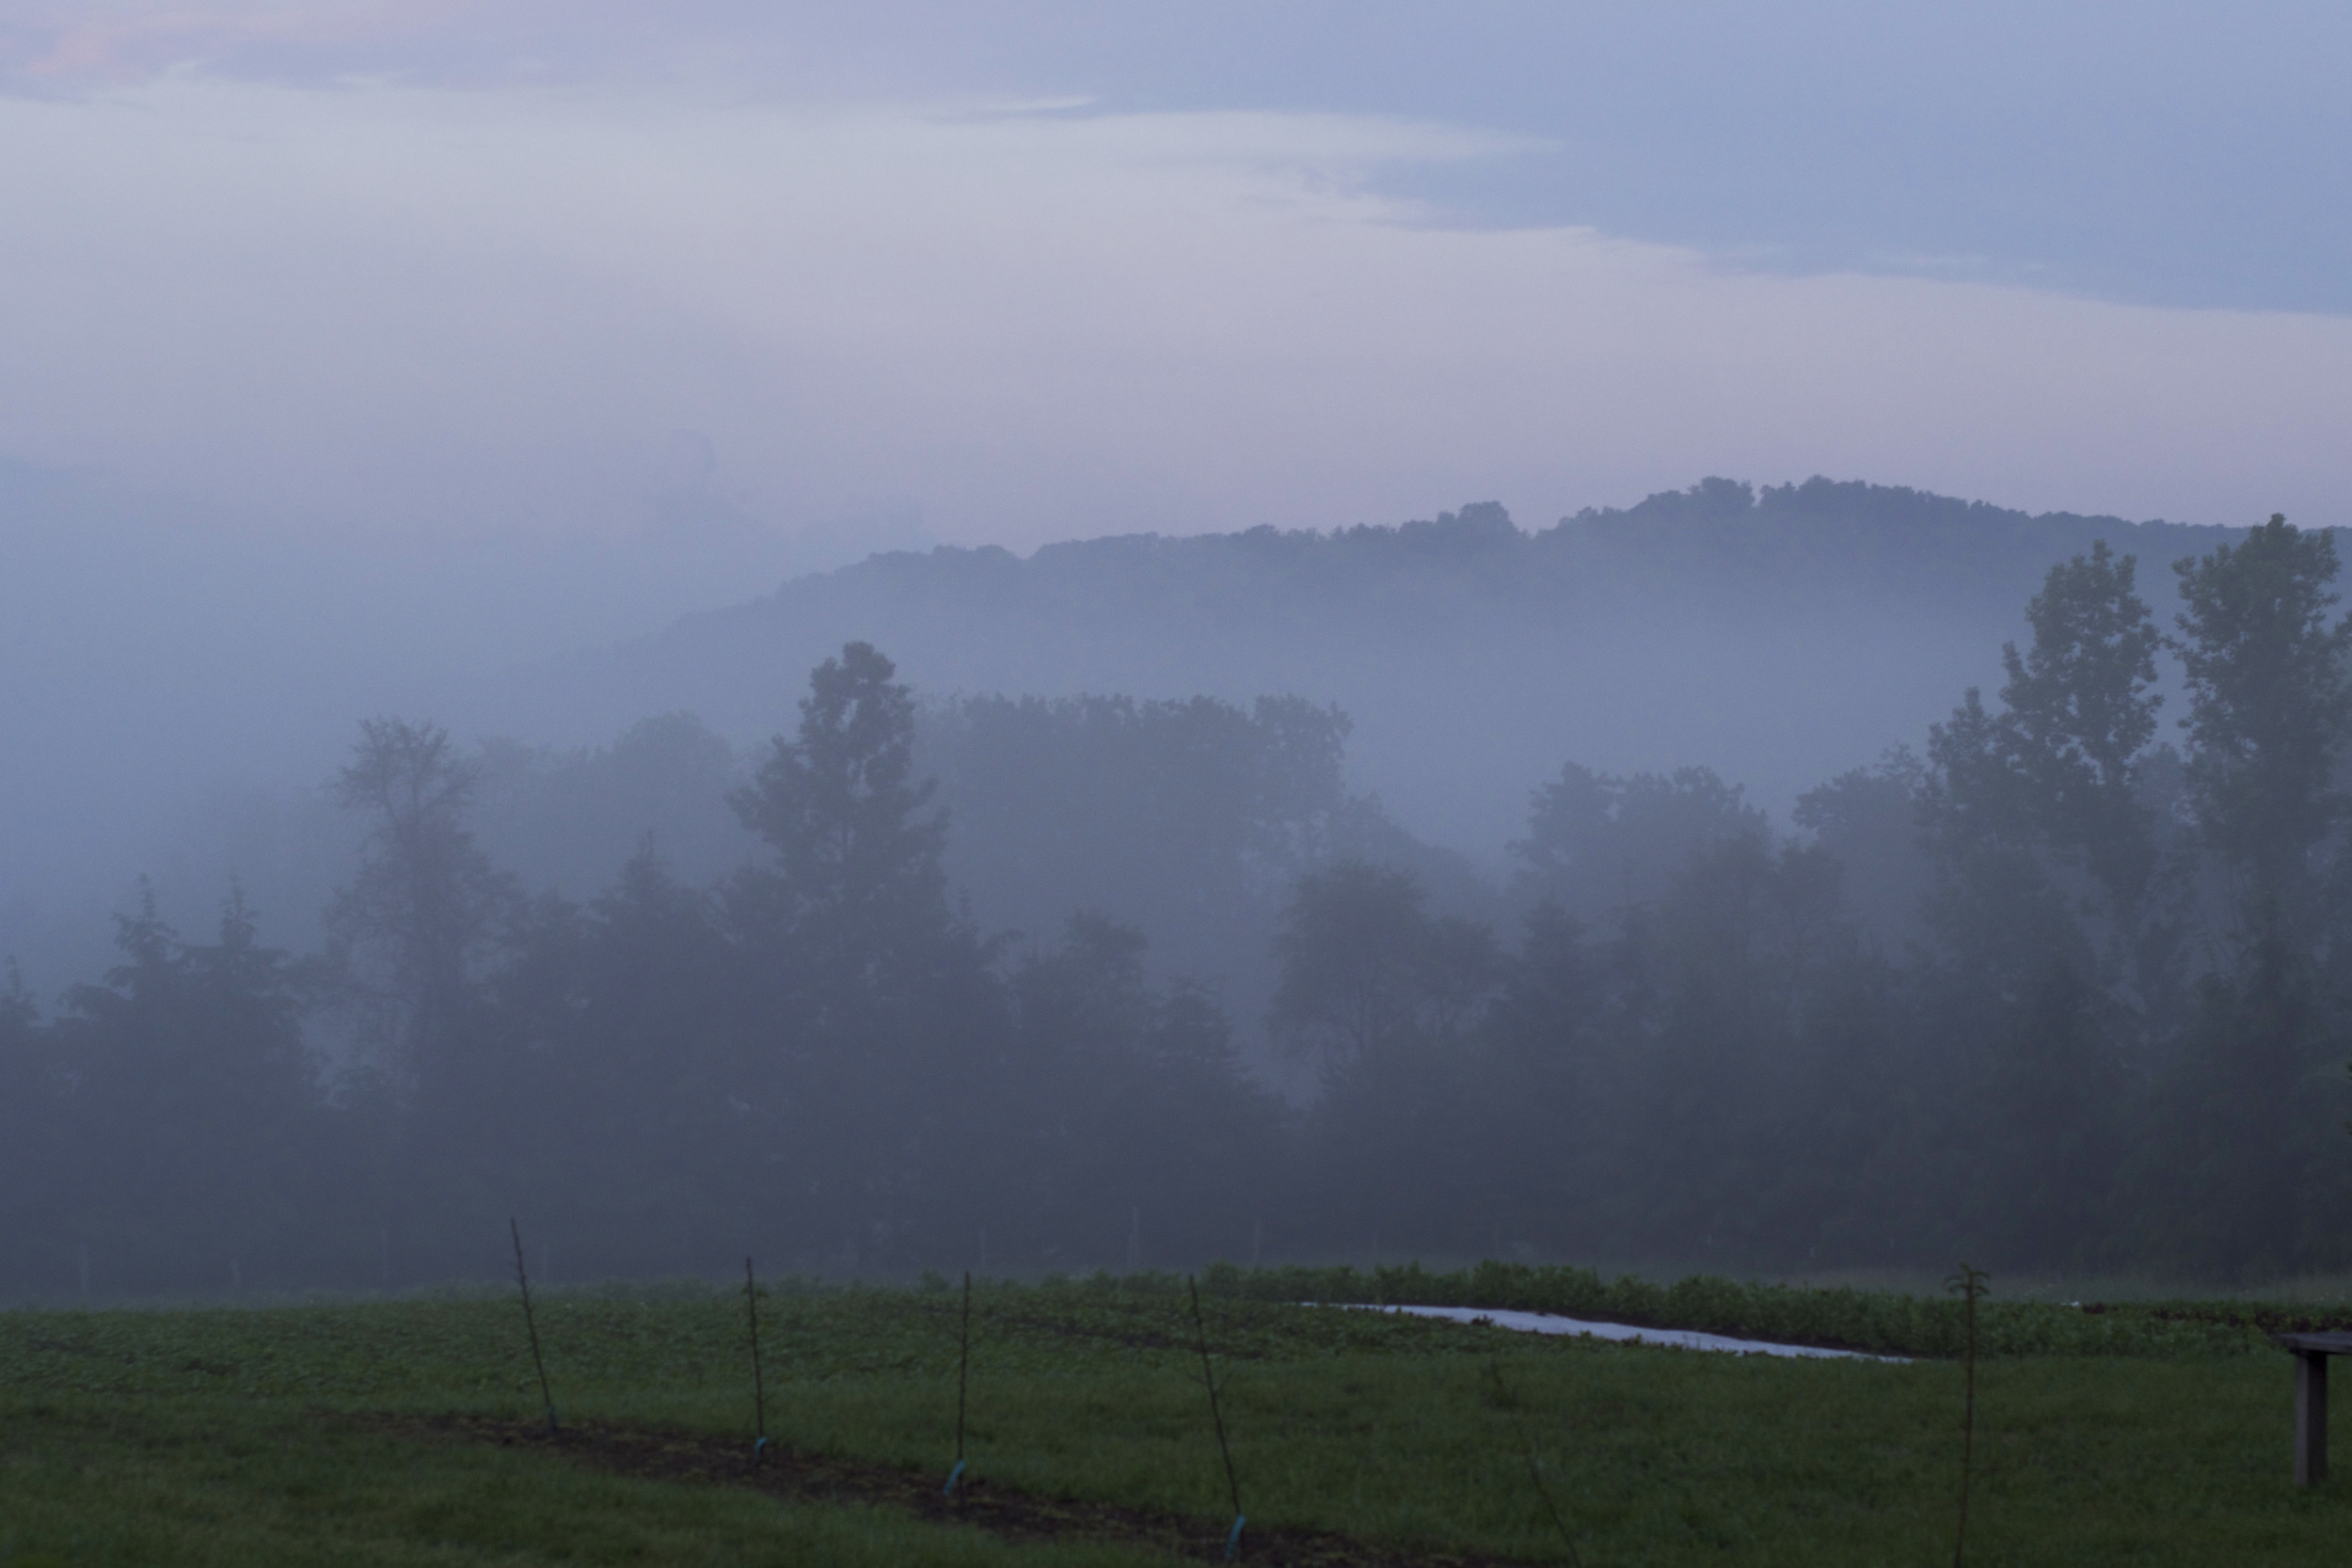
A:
(1050, 269)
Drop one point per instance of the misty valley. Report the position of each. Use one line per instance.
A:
(755, 809)
(1065, 979)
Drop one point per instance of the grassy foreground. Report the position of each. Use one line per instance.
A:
(301, 1435)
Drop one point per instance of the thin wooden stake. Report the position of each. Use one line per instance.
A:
(1208, 1378)
(1970, 1284)
(1535, 1470)
(530, 1320)
(759, 1390)
(963, 1379)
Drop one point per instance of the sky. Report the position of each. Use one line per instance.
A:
(1023, 272)
(354, 351)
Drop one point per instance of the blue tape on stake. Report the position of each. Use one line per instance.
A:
(953, 1476)
(757, 1448)
(1232, 1542)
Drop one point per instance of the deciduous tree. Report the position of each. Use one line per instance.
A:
(412, 931)
(2270, 710)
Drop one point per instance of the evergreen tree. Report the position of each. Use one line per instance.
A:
(881, 1034)
(671, 1161)
(857, 872)
(195, 1137)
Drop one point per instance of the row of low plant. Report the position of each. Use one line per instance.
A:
(467, 1346)
(1880, 1322)
(1412, 1430)
(2266, 1316)
(688, 1333)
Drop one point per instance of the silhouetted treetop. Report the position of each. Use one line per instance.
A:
(856, 852)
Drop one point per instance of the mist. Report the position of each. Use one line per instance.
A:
(1411, 589)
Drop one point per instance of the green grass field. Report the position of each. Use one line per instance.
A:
(318, 1433)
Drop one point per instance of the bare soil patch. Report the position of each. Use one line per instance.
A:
(654, 1453)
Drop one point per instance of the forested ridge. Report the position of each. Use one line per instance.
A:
(2065, 989)
(1823, 542)
(1774, 633)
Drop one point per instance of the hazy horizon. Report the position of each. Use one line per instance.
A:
(246, 671)
(1500, 628)
(1051, 272)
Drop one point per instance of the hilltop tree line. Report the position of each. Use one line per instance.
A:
(2067, 990)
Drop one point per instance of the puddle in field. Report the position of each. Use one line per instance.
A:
(1679, 1338)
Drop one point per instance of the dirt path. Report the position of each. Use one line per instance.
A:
(659, 1454)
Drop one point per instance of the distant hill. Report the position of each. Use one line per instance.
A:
(1779, 635)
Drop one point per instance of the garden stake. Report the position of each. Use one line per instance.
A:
(1535, 1470)
(759, 1391)
(1208, 1378)
(531, 1322)
(963, 1376)
(1969, 1284)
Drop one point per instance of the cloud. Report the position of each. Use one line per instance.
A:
(85, 45)
(71, 46)
(401, 307)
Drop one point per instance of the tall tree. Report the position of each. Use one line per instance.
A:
(412, 931)
(194, 1103)
(2047, 792)
(857, 867)
(2052, 967)
(2270, 710)
(2080, 709)
(650, 1078)
(884, 1025)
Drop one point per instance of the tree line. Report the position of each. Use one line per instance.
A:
(2065, 991)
